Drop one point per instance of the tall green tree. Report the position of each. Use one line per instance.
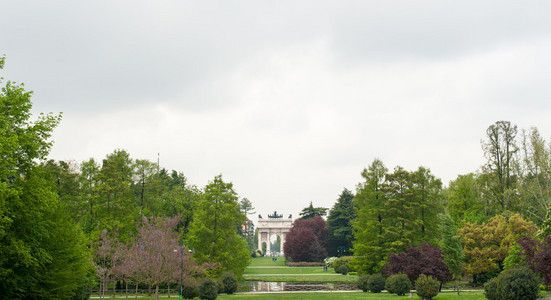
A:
(311, 212)
(465, 200)
(339, 222)
(535, 189)
(394, 210)
(42, 253)
(368, 225)
(452, 248)
(213, 233)
(117, 210)
(500, 173)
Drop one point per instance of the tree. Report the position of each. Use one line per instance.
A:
(368, 224)
(464, 200)
(425, 259)
(42, 253)
(500, 171)
(535, 190)
(451, 248)
(339, 222)
(486, 246)
(311, 212)
(307, 240)
(213, 233)
(395, 212)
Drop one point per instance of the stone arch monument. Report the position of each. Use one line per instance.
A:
(274, 225)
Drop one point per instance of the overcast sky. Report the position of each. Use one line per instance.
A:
(289, 100)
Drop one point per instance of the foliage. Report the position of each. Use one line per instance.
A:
(537, 255)
(465, 201)
(213, 234)
(230, 283)
(362, 283)
(486, 246)
(307, 240)
(398, 284)
(452, 251)
(491, 290)
(339, 222)
(512, 284)
(394, 210)
(190, 289)
(500, 175)
(425, 259)
(348, 261)
(329, 261)
(342, 269)
(43, 255)
(208, 289)
(376, 283)
(312, 212)
(426, 287)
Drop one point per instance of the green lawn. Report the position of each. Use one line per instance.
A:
(267, 262)
(287, 270)
(333, 295)
(265, 269)
(350, 295)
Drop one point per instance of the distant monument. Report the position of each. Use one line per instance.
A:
(274, 225)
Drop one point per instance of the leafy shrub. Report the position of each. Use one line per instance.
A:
(220, 285)
(362, 283)
(398, 284)
(345, 260)
(190, 289)
(230, 283)
(376, 283)
(426, 286)
(342, 269)
(353, 273)
(490, 289)
(516, 283)
(208, 290)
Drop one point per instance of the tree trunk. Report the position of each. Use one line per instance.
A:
(168, 290)
(136, 290)
(114, 288)
(149, 290)
(157, 292)
(126, 283)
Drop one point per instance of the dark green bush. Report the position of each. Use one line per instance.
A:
(230, 283)
(208, 290)
(342, 269)
(427, 287)
(376, 283)
(398, 284)
(190, 289)
(362, 283)
(511, 284)
(490, 289)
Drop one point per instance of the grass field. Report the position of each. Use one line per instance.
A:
(265, 269)
(334, 295)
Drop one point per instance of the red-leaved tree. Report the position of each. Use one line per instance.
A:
(426, 259)
(537, 255)
(307, 240)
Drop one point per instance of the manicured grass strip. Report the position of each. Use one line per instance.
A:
(334, 278)
(347, 296)
(267, 262)
(328, 295)
(288, 270)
